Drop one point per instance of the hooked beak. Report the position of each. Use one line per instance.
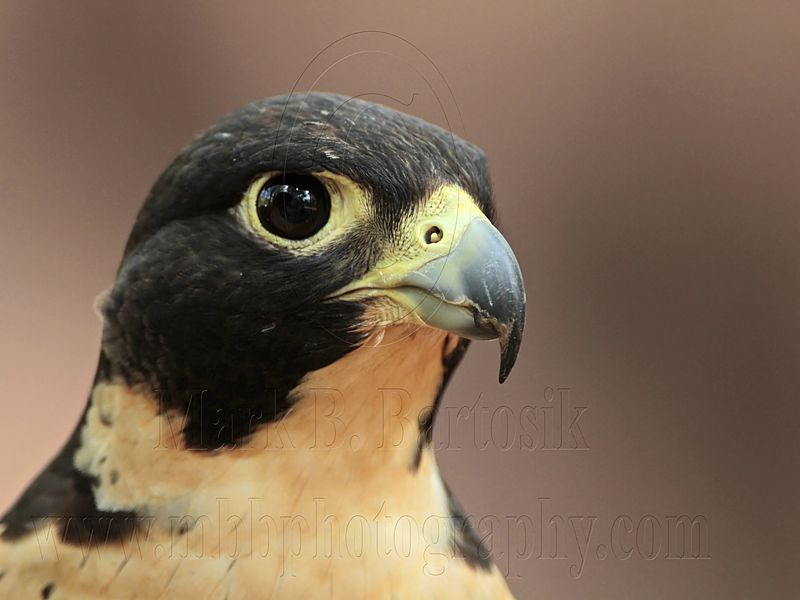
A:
(469, 284)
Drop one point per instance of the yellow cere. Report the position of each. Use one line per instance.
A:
(447, 211)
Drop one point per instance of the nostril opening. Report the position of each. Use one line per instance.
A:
(433, 235)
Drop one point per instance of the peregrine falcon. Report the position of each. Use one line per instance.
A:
(294, 296)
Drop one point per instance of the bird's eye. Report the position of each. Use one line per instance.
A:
(293, 206)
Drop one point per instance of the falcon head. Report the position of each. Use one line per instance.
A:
(293, 232)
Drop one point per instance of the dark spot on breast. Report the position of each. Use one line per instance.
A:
(466, 542)
(113, 476)
(449, 363)
(122, 565)
(48, 590)
(64, 496)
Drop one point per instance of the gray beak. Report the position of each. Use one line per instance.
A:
(475, 290)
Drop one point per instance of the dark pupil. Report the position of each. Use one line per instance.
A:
(293, 210)
(291, 205)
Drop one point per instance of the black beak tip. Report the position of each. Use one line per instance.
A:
(506, 324)
(510, 341)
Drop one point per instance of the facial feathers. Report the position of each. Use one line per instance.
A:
(279, 297)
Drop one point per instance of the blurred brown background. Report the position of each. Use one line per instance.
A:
(646, 164)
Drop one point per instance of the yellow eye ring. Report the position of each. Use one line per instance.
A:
(299, 211)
